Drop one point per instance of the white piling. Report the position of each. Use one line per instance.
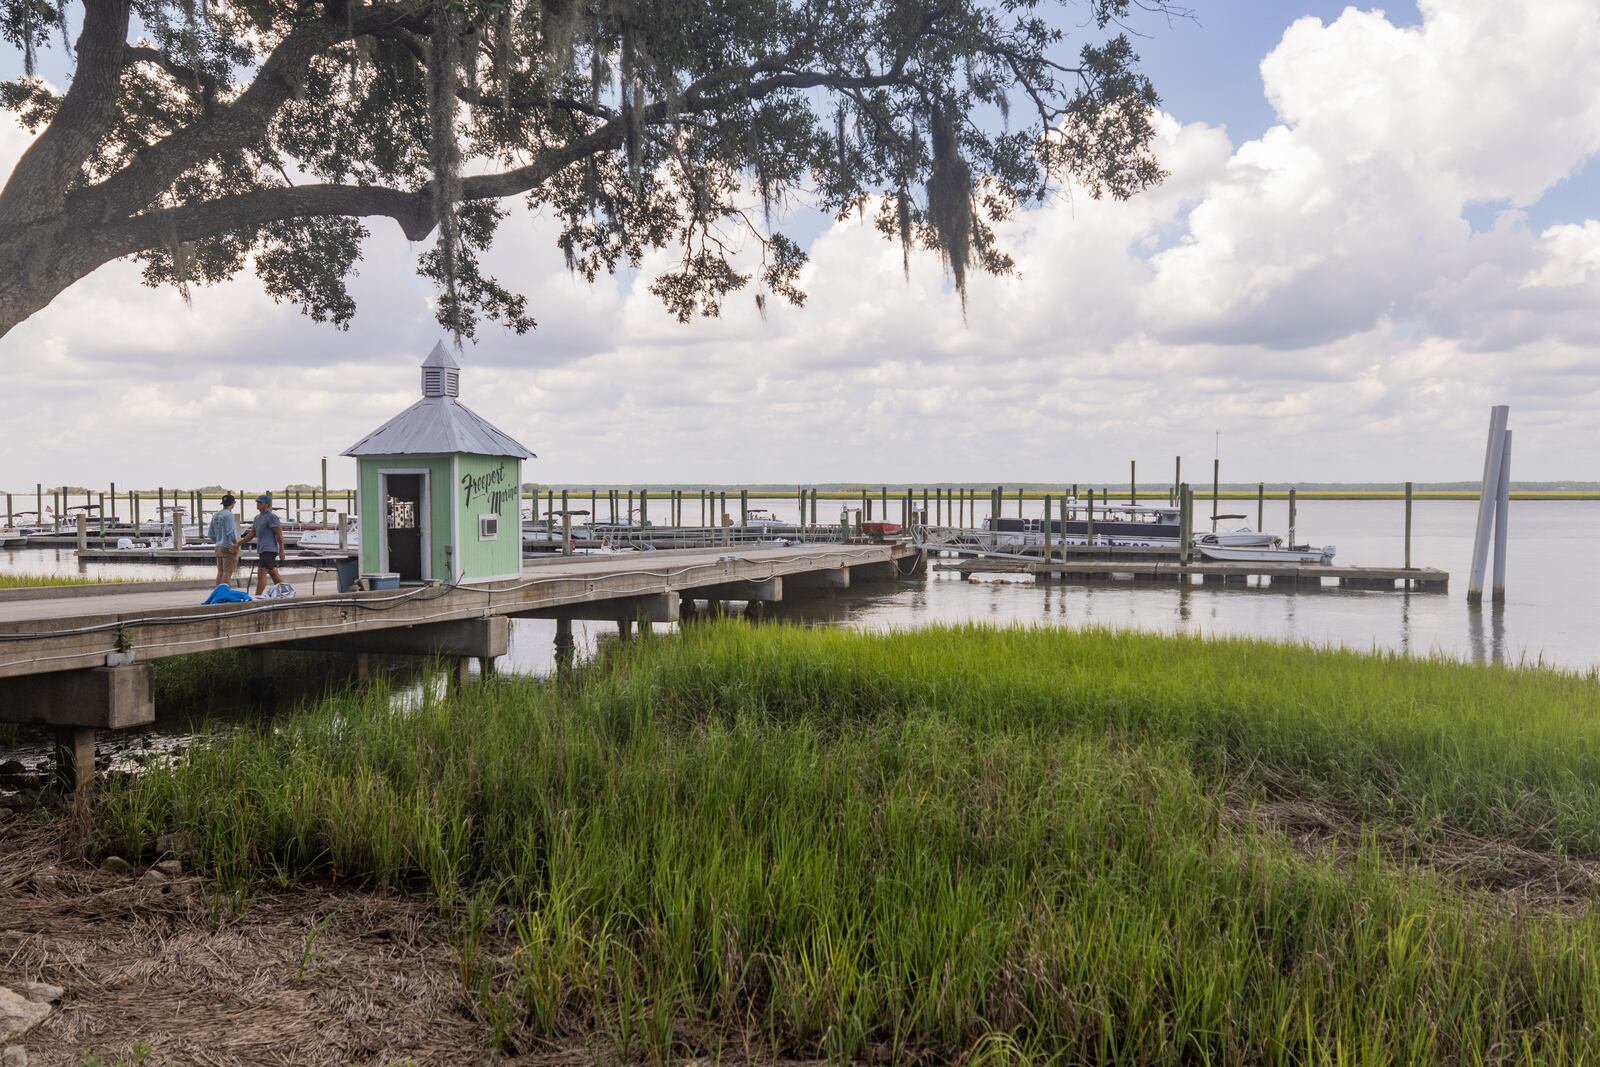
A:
(1493, 460)
(1502, 509)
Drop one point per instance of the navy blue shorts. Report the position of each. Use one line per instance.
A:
(268, 561)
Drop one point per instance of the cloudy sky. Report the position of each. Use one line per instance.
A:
(1378, 223)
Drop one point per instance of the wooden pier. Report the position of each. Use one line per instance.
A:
(1299, 575)
(81, 662)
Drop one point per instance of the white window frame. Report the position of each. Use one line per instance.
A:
(493, 516)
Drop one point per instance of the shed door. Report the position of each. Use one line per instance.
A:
(403, 508)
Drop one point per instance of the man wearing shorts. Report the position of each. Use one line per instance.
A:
(224, 533)
(266, 528)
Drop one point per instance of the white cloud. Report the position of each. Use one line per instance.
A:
(1316, 293)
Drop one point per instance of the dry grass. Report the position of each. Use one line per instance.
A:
(310, 976)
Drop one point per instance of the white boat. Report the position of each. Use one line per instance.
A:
(322, 537)
(1233, 554)
(761, 519)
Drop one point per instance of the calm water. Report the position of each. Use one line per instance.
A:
(1551, 615)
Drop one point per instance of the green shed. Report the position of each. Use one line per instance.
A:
(439, 488)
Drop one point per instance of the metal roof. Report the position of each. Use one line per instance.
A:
(441, 357)
(438, 425)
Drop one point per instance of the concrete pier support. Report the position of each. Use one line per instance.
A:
(768, 591)
(809, 581)
(103, 698)
(74, 754)
(460, 672)
(76, 704)
(565, 645)
(484, 638)
(875, 572)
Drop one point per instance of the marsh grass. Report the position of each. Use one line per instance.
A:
(1001, 845)
(9, 580)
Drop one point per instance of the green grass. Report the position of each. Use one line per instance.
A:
(9, 580)
(955, 842)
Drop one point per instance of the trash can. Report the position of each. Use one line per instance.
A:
(349, 571)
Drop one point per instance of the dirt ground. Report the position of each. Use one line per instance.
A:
(303, 977)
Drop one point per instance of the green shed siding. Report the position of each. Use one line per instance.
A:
(488, 485)
(374, 514)
(460, 488)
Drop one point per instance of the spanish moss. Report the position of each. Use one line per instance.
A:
(950, 199)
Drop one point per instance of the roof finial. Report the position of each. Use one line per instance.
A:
(441, 374)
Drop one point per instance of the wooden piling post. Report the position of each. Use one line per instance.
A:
(1261, 507)
(1502, 516)
(38, 504)
(566, 526)
(83, 535)
(1133, 481)
(344, 531)
(1046, 525)
(1216, 490)
(1291, 516)
(1488, 496)
(1408, 526)
(744, 508)
(322, 513)
(1089, 525)
(1177, 479)
(1185, 523)
(550, 513)
(813, 505)
(883, 499)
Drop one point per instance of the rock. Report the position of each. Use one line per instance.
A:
(12, 768)
(152, 877)
(116, 865)
(176, 843)
(14, 1056)
(41, 992)
(170, 868)
(18, 1014)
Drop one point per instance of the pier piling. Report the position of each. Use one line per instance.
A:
(1408, 526)
(1488, 497)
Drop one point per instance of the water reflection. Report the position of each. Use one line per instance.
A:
(1492, 649)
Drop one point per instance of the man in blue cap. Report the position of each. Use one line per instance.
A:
(266, 528)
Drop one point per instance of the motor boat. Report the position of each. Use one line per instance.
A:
(1223, 553)
(1117, 525)
(761, 519)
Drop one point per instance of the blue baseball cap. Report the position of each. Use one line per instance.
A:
(264, 498)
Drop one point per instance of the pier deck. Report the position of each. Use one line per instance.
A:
(81, 660)
(1426, 579)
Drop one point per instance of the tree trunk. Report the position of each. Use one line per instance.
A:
(39, 264)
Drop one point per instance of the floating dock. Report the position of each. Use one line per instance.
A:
(1299, 575)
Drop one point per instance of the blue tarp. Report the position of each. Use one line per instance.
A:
(226, 594)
